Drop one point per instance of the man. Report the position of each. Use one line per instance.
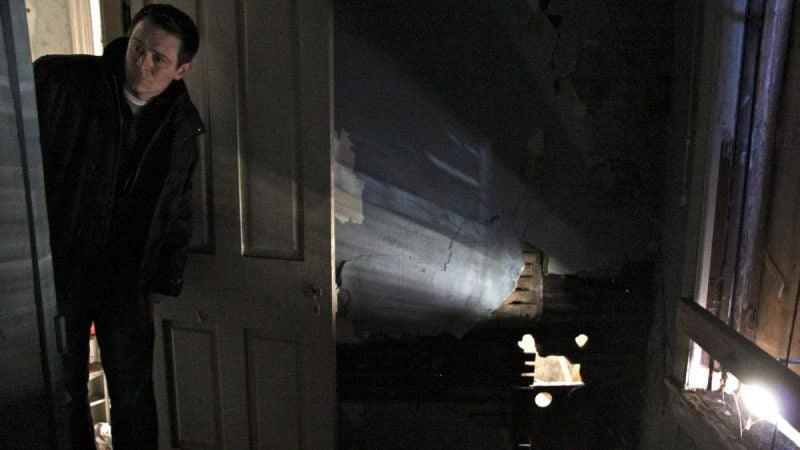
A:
(119, 143)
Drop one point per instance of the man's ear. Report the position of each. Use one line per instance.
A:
(182, 70)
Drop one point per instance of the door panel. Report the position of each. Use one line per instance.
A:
(270, 172)
(275, 367)
(202, 193)
(193, 377)
(245, 357)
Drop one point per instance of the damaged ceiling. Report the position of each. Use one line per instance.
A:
(467, 131)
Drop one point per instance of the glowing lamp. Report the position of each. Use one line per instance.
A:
(760, 402)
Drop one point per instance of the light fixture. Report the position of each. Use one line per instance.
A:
(527, 344)
(760, 402)
(543, 399)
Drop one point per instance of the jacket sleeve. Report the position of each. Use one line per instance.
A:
(50, 104)
(61, 101)
(168, 278)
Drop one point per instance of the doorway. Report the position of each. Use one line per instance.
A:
(74, 26)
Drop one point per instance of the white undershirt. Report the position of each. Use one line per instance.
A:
(134, 103)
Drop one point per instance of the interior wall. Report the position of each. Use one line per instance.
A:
(424, 243)
(48, 23)
(30, 366)
(659, 428)
(466, 128)
(115, 17)
(702, 36)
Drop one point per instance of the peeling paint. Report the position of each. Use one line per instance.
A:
(348, 204)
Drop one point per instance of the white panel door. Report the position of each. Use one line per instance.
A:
(245, 357)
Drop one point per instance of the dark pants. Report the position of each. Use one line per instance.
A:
(124, 332)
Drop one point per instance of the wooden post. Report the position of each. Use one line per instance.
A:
(774, 44)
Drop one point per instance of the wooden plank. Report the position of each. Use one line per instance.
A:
(749, 363)
(527, 270)
(778, 289)
(517, 310)
(772, 60)
(701, 427)
(525, 282)
(532, 256)
(518, 296)
(529, 287)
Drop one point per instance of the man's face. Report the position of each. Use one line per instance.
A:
(151, 61)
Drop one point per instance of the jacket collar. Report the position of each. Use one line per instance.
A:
(114, 57)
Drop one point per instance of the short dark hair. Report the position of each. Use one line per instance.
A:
(175, 22)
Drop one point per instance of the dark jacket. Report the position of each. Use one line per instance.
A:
(81, 120)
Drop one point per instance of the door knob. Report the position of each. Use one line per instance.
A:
(314, 292)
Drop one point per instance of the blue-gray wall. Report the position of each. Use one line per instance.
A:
(465, 128)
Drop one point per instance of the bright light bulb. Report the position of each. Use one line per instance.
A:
(731, 384)
(760, 402)
(543, 399)
(527, 344)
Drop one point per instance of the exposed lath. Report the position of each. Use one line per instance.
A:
(525, 301)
